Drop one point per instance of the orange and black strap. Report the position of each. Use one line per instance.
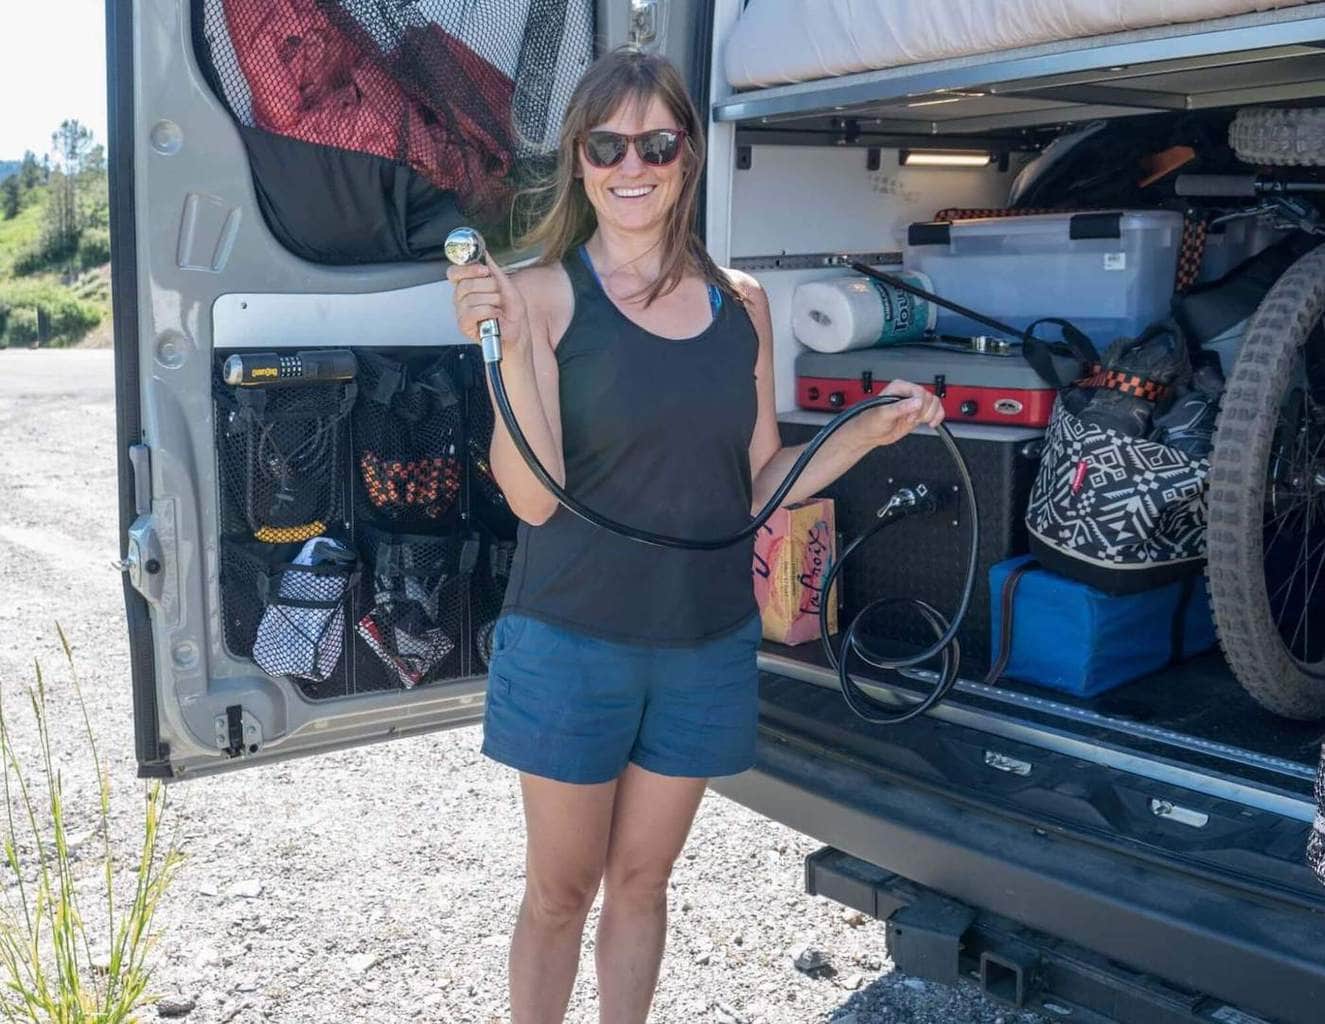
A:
(1128, 383)
(1192, 251)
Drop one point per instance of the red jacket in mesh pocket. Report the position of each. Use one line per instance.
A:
(429, 100)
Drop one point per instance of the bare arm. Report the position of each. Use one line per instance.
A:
(770, 461)
(529, 370)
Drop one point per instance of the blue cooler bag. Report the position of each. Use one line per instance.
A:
(1069, 636)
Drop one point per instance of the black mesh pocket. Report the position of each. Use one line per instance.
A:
(410, 623)
(481, 423)
(289, 617)
(486, 596)
(279, 453)
(407, 430)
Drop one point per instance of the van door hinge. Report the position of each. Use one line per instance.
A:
(140, 459)
(643, 21)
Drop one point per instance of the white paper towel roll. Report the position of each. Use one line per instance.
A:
(843, 313)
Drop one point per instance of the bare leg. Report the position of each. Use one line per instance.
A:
(568, 828)
(650, 823)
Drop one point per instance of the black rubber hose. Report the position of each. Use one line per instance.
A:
(904, 285)
(945, 645)
(663, 540)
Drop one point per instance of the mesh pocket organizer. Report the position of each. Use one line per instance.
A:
(490, 579)
(407, 433)
(288, 615)
(411, 616)
(280, 451)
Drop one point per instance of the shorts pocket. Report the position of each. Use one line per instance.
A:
(507, 631)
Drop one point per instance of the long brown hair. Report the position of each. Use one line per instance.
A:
(557, 215)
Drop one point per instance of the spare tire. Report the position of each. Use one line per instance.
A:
(1266, 135)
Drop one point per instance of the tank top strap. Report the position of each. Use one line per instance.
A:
(583, 278)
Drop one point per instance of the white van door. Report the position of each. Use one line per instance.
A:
(314, 552)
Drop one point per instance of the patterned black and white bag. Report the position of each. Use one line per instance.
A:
(1120, 513)
(1111, 505)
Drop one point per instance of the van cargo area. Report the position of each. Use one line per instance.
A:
(987, 799)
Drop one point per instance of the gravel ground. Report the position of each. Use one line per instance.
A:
(379, 884)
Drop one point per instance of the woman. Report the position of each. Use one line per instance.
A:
(623, 676)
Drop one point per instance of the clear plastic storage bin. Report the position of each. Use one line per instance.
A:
(1233, 242)
(1111, 274)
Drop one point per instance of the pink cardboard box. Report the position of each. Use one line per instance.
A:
(793, 552)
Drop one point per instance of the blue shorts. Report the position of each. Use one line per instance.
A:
(577, 708)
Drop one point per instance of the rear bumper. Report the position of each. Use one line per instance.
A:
(1194, 932)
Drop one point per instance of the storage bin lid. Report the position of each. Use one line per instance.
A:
(1048, 228)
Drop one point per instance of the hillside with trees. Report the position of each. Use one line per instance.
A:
(55, 243)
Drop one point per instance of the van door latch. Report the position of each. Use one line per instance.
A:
(143, 559)
(144, 549)
(237, 731)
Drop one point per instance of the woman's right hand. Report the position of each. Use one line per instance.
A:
(483, 291)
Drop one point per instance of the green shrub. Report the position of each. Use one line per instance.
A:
(54, 313)
(94, 248)
(30, 261)
(21, 327)
(72, 318)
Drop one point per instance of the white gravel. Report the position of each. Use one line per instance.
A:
(375, 885)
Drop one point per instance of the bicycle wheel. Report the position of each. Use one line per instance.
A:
(1266, 546)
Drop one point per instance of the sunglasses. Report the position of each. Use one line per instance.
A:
(657, 148)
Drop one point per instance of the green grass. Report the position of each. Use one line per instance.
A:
(49, 973)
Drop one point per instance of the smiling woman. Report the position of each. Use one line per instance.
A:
(643, 151)
(622, 676)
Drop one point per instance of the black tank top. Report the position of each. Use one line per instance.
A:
(656, 434)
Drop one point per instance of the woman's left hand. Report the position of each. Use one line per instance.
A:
(890, 423)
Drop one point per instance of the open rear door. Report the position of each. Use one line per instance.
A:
(314, 551)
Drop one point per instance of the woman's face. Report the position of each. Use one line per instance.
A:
(634, 196)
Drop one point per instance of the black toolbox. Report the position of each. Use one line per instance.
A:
(925, 556)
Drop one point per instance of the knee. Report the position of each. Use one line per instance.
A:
(561, 900)
(639, 883)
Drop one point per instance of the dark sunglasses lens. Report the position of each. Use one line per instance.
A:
(604, 149)
(659, 147)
